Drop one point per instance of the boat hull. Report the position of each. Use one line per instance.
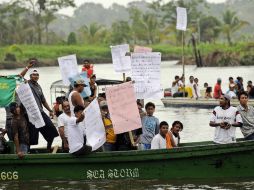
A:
(200, 103)
(189, 162)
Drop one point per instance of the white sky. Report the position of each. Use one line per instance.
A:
(107, 3)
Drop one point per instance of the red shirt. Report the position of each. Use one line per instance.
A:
(217, 91)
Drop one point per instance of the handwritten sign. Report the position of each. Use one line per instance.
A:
(141, 49)
(27, 99)
(181, 23)
(68, 67)
(123, 108)
(146, 74)
(94, 127)
(121, 62)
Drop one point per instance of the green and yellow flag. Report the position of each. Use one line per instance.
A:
(7, 89)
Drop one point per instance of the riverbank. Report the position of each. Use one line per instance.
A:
(15, 56)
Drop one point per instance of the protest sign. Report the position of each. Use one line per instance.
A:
(181, 23)
(94, 127)
(121, 62)
(68, 67)
(27, 99)
(146, 74)
(141, 49)
(123, 107)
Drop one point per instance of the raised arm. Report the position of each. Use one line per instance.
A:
(30, 64)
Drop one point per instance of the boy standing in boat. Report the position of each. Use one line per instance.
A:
(150, 127)
(76, 138)
(225, 119)
(159, 140)
(247, 113)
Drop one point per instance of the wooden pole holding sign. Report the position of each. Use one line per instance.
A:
(130, 132)
(183, 62)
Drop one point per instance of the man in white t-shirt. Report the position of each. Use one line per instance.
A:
(225, 119)
(62, 125)
(159, 140)
(76, 140)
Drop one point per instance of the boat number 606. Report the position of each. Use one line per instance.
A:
(9, 176)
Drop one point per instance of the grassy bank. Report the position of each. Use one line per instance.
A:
(48, 54)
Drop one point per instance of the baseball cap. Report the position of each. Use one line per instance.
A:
(103, 104)
(34, 72)
(227, 97)
(79, 82)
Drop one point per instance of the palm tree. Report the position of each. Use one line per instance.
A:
(91, 32)
(231, 24)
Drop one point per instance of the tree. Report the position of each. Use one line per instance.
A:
(231, 24)
(137, 26)
(120, 32)
(193, 13)
(91, 33)
(40, 9)
(72, 39)
(210, 28)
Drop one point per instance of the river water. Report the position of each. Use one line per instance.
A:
(195, 120)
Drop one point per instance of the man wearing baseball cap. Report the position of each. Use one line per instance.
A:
(49, 131)
(225, 118)
(75, 98)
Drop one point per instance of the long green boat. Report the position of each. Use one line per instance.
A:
(203, 160)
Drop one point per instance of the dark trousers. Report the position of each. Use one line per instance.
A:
(48, 131)
(250, 137)
(83, 151)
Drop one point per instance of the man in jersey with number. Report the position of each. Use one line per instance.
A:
(225, 119)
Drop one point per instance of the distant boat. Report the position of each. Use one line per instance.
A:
(199, 103)
(201, 160)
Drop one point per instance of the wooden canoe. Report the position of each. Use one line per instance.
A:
(200, 103)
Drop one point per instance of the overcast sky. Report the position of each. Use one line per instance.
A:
(106, 3)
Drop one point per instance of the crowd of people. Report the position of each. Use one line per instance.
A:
(153, 134)
(193, 90)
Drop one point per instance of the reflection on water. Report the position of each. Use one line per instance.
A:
(128, 185)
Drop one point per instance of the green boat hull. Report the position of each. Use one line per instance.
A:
(193, 161)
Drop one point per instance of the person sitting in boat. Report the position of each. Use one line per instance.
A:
(93, 88)
(173, 136)
(63, 125)
(217, 92)
(247, 113)
(159, 140)
(225, 118)
(49, 131)
(150, 126)
(3, 147)
(75, 98)
(189, 87)
(176, 85)
(87, 67)
(76, 138)
(19, 129)
(206, 92)
(231, 91)
(110, 144)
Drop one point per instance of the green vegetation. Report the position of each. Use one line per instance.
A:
(102, 53)
(93, 28)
